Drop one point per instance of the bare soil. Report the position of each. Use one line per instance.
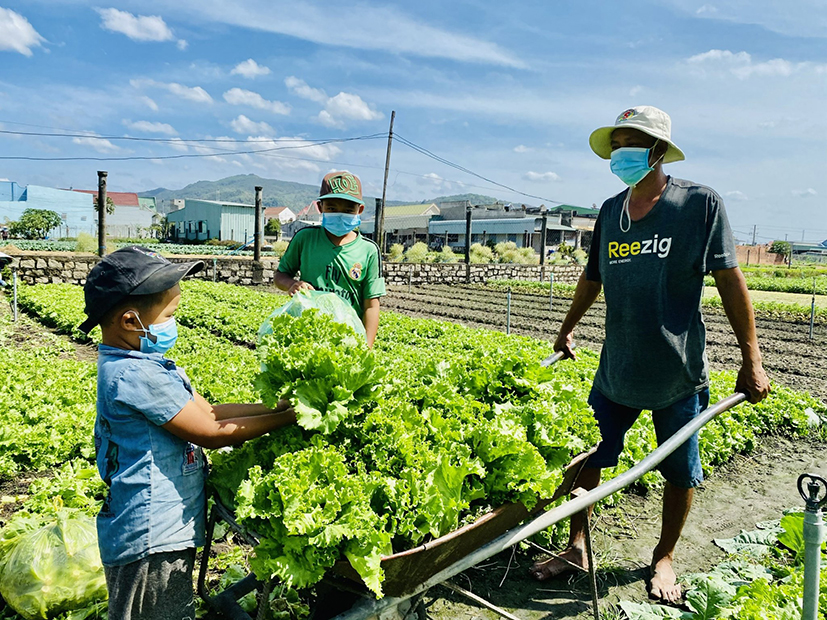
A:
(747, 490)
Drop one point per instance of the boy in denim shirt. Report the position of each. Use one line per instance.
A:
(149, 431)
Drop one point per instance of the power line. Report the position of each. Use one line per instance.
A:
(456, 166)
(64, 134)
(221, 153)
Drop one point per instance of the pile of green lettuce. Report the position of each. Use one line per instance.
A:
(393, 447)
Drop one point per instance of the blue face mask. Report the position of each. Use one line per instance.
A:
(165, 333)
(340, 224)
(631, 164)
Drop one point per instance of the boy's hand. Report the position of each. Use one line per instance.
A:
(300, 286)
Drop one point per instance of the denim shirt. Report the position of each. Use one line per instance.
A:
(156, 501)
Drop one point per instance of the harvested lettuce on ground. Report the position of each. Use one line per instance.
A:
(52, 568)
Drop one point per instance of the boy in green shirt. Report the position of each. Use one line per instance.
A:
(335, 257)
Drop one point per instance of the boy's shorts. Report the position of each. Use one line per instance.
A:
(682, 468)
(157, 587)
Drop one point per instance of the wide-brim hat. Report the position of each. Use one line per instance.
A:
(648, 119)
(132, 270)
(342, 185)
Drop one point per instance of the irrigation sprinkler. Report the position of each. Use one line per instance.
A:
(813, 310)
(508, 312)
(551, 292)
(815, 533)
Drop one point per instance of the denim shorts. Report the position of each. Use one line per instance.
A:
(682, 468)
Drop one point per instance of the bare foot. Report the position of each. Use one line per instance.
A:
(663, 582)
(556, 566)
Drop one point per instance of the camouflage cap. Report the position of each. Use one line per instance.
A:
(342, 185)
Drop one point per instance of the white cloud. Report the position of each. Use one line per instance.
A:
(805, 193)
(151, 127)
(99, 144)
(239, 96)
(179, 145)
(361, 26)
(521, 148)
(537, 177)
(347, 106)
(244, 125)
(250, 69)
(150, 103)
(736, 195)
(635, 90)
(742, 65)
(343, 107)
(138, 27)
(181, 44)
(190, 93)
(298, 148)
(300, 88)
(17, 34)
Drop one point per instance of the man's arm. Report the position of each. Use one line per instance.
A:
(752, 380)
(370, 318)
(584, 296)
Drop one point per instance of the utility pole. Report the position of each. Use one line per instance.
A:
(102, 174)
(257, 229)
(377, 224)
(754, 229)
(543, 232)
(468, 244)
(380, 216)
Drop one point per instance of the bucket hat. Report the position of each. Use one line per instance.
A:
(132, 270)
(648, 119)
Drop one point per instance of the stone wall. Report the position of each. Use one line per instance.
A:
(53, 267)
(456, 273)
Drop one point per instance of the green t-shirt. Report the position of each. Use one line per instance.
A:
(352, 271)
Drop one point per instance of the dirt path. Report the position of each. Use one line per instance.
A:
(737, 496)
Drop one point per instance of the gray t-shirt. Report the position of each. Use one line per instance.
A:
(655, 348)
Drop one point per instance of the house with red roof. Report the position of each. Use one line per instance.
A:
(131, 218)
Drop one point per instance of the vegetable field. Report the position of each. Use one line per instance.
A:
(790, 357)
(395, 446)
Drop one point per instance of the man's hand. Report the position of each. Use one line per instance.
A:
(565, 343)
(300, 286)
(753, 381)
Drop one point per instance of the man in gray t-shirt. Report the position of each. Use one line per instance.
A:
(652, 246)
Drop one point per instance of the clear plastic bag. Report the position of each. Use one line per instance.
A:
(54, 568)
(328, 303)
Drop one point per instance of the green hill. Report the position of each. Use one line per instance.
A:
(275, 193)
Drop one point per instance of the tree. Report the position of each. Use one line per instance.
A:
(781, 247)
(110, 204)
(272, 228)
(35, 224)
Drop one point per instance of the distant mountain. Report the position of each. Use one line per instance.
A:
(275, 193)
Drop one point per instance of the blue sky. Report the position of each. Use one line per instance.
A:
(510, 91)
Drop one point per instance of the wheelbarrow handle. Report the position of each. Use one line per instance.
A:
(552, 359)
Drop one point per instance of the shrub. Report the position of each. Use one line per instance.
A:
(86, 243)
(396, 253)
(226, 243)
(446, 255)
(481, 254)
(417, 253)
(279, 248)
